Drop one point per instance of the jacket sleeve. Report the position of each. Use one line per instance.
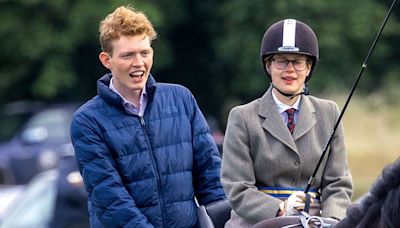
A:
(111, 202)
(337, 187)
(206, 159)
(238, 177)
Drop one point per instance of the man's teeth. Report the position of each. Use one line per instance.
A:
(137, 74)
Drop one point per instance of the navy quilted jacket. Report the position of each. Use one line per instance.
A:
(145, 172)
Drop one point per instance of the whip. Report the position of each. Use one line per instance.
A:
(363, 67)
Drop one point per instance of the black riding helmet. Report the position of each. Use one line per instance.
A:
(290, 36)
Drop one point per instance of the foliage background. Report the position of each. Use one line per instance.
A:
(49, 49)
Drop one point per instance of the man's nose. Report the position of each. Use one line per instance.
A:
(137, 60)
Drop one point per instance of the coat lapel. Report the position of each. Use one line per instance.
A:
(306, 119)
(273, 122)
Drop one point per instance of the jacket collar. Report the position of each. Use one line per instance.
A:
(114, 99)
(274, 124)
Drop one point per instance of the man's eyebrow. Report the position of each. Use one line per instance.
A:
(137, 51)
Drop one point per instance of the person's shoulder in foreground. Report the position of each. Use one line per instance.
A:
(143, 148)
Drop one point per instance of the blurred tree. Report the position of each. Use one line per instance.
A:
(193, 58)
(345, 31)
(49, 49)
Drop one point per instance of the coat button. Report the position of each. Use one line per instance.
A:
(296, 163)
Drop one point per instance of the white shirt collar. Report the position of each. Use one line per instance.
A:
(283, 107)
(112, 87)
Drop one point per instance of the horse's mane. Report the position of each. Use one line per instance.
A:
(381, 206)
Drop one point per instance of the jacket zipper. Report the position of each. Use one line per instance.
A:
(143, 124)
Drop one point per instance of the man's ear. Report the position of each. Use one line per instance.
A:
(105, 59)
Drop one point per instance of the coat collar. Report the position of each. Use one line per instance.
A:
(274, 124)
(114, 99)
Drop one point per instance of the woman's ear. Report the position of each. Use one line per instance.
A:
(105, 59)
(267, 66)
(309, 69)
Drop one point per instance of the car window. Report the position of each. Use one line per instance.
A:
(55, 122)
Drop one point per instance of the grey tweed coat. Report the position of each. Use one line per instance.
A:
(259, 150)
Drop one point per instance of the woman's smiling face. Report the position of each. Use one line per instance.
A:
(289, 79)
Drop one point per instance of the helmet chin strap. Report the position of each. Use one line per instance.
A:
(305, 91)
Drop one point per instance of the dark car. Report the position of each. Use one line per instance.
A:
(70, 206)
(13, 117)
(33, 137)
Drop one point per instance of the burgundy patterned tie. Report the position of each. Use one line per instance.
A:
(290, 123)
